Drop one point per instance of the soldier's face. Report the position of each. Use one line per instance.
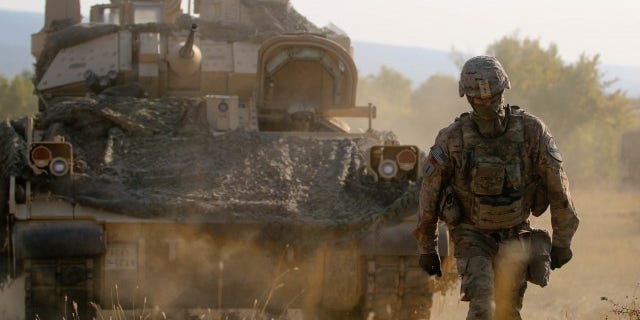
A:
(487, 108)
(483, 102)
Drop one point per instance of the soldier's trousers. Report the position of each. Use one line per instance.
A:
(493, 269)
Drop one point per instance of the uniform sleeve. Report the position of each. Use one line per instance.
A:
(564, 219)
(435, 177)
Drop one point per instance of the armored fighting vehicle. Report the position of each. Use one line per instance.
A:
(197, 167)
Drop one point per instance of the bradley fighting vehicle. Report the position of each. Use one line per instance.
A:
(198, 167)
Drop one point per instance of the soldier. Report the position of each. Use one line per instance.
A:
(485, 175)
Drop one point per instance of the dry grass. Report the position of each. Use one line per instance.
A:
(629, 310)
(258, 311)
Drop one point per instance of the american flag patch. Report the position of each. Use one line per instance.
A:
(438, 155)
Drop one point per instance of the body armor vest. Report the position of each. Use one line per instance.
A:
(492, 186)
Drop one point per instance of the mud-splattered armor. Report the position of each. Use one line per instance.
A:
(486, 189)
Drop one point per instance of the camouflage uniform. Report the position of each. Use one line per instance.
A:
(486, 189)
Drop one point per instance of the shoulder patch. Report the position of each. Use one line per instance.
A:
(429, 168)
(552, 148)
(438, 156)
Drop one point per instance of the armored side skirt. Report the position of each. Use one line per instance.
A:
(57, 239)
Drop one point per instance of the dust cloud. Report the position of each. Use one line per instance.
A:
(12, 300)
(196, 268)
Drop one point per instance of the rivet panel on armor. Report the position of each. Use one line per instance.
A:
(124, 50)
(245, 57)
(226, 11)
(217, 56)
(149, 51)
(148, 70)
(70, 65)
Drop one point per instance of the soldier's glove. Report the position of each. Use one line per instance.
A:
(430, 262)
(560, 256)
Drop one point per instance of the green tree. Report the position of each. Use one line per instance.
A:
(16, 97)
(388, 89)
(415, 116)
(435, 103)
(4, 89)
(390, 92)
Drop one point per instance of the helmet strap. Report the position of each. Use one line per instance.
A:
(490, 120)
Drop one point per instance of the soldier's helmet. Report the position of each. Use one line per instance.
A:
(484, 77)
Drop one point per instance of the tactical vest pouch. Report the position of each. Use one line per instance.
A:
(514, 175)
(540, 259)
(492, 213)
(541, 202)
(487, 179)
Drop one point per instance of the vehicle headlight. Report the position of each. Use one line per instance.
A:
(407, 159)
(54, 157)
(41, 156)
(59, 167)
(387, 169)
(398, 163)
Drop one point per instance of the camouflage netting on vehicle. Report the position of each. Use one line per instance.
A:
(157, 158)
(268, 19)
(12, 149)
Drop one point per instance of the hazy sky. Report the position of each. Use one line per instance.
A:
(608, 27)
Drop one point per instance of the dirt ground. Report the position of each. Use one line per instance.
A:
(606, 263)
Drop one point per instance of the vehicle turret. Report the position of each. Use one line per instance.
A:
(185, 58)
